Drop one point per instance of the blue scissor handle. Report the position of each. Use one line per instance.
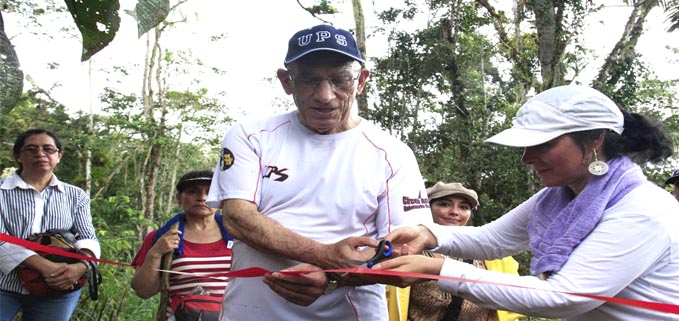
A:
(380, 253)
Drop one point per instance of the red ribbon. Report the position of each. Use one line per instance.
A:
(52, 250)
(259, 272)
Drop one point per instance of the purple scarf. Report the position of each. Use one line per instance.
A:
(559, 222)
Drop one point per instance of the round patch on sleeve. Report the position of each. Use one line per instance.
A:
(226, 160)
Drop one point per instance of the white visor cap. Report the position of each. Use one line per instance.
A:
(558, 111)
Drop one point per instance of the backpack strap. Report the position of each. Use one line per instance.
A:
(225, 234)
(181, 219)
(93, 281)
(455, 307)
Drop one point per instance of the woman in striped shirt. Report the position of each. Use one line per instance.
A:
(33, 200)
(200, 245)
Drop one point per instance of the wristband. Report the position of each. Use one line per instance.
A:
(332, 284)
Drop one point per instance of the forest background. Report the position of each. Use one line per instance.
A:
(447, 74)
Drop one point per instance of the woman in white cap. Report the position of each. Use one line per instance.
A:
(597, 228)
(451, 204)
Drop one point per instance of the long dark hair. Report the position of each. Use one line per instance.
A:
(21, 140)
(643, 140)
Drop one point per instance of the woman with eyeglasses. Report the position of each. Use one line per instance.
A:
(32, 201)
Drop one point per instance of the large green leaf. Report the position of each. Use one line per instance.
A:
(98, 22)
(673, 17)
(11, 77)
(150, 13)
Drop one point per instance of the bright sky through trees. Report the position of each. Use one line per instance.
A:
(253, 45)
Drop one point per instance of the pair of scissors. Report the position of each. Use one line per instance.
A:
(383, 251)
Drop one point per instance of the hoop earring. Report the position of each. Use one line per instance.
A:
(597, 167)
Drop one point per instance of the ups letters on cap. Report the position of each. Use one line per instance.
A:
(322, 36)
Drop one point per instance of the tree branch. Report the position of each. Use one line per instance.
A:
(498, 21)
(625, 47)
(312, 13)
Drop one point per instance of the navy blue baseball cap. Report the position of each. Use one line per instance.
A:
(673, 179)
(322, 37)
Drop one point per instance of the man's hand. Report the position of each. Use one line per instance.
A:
(300, 289)
(304, 289)
(335, 256)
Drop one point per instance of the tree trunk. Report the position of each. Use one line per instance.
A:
(146, 84)
(521, 86)
(170, 201)
(11, 76)
(362, 99)
(513, 50)
(551, 44)
(156, 130)
(450, 33)
(114, 171)
(624, 50)
(88, 146)
(151, 166)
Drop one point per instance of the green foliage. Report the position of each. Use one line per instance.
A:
(118, 144)
(88, 17)
(392, 15)
(34, 110)
(672, 10)
(322, 7)
(634, 88)
(443, 94)
(115, 144)
(97, 21)
(11, 75)
(150, 13)
(441, 89)
(117, 300)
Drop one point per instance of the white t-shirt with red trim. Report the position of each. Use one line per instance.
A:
(360, 182)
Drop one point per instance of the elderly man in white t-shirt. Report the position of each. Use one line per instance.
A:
(295, 187)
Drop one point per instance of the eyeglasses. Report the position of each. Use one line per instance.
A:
(33, 150)
(342, 82)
